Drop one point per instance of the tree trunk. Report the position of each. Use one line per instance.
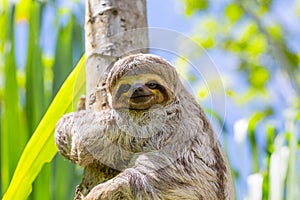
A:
(112, 30)
(109, 35)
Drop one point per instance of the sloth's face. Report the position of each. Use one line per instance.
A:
(139, 92)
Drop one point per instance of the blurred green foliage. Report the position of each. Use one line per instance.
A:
(41, 147)
(192, 5)
(25, 95)
(252, 34)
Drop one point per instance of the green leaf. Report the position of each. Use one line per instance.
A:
(206, 43)
(233, 12)
(195, 5)
(35, 105)
(259, 77)
(65, 45)
(63, 55)
(271, 133)
(253, 122)
(41, 147)
(256, 45)
(13, 133)
(35, 98)
(276, 31)
(23, 10)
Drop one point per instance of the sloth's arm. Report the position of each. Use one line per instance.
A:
(130, 184)
(139, 182)
(75, 136)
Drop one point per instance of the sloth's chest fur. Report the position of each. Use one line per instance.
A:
(148, 130)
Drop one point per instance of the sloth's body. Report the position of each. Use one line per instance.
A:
(155, 134)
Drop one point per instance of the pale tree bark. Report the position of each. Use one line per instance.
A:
(109, 35)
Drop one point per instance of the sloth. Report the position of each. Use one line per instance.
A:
(153, 133)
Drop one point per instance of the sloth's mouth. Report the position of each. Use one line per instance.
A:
(141, 102)
(140, 98)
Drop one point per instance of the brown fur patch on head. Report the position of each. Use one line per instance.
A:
(143, 64)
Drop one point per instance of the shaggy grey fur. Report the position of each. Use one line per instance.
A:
(167, 152)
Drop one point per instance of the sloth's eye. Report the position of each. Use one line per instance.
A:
(124, 88)
(152, 84)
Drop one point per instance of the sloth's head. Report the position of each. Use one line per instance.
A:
(138, 82)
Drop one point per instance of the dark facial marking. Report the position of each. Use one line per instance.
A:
(163, 90)
(123, 88)
(155, 85)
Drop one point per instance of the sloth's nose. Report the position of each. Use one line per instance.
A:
(139, 90)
